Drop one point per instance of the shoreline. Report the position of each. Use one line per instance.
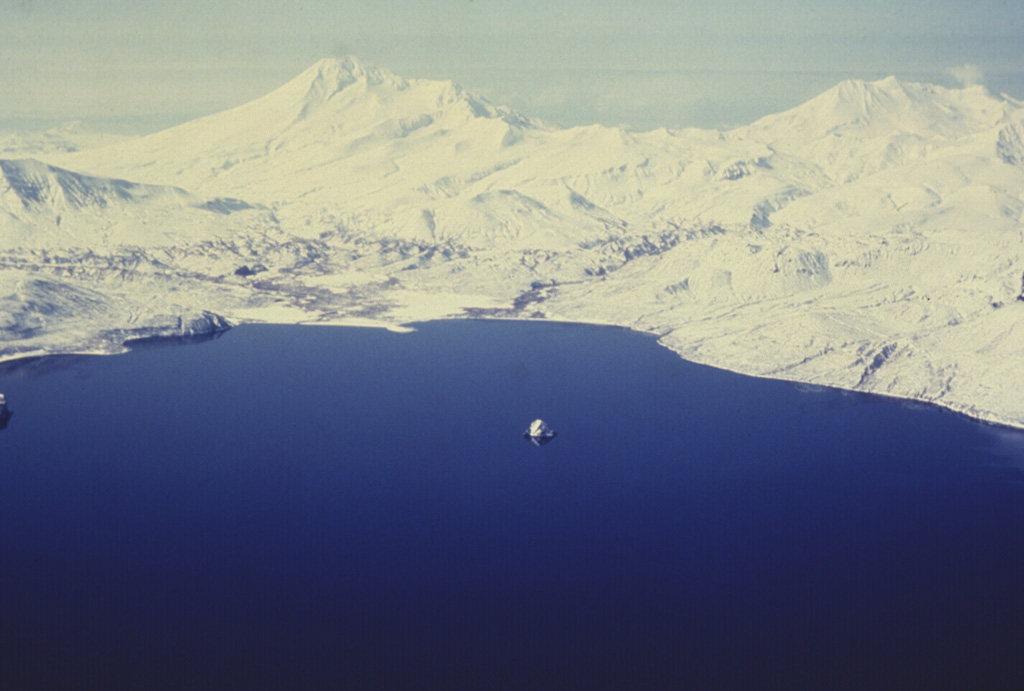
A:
(21, 360)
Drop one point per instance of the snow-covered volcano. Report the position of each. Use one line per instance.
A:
(342, 136)
(870, 238)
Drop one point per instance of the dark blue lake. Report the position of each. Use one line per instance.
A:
(300, 507)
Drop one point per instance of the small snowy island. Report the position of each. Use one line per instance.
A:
(870, 239)
(539, 433)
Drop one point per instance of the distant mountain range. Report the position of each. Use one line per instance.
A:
(871, 238)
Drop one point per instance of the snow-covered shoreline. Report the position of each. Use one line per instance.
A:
(981, 417)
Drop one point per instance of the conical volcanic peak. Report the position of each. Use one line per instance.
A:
(337, 120)
(317, 86)
(331, 75)
(886, 106)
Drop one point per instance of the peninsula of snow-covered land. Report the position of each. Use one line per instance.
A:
(870, 239)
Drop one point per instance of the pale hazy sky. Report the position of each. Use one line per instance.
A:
(138, 66)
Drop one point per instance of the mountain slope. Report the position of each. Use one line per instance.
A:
(42, 205)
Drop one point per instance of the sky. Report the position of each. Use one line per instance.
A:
(135, 66)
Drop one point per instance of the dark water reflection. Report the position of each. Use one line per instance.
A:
(344, 508)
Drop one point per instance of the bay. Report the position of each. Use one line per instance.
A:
(313, 507)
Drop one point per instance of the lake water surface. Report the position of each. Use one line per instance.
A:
(314, 507)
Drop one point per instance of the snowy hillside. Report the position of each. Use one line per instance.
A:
(871, 238)
(45, 206)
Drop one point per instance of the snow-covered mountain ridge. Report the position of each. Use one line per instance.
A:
(45, 206)
(871, 238)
